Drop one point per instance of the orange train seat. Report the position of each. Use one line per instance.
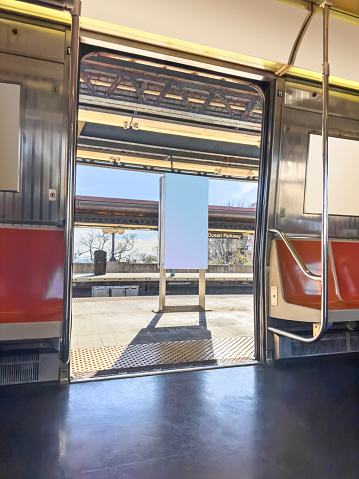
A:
(345, 257)
(300, 290)
(31, 275)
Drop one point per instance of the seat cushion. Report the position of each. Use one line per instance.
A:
(297, 287)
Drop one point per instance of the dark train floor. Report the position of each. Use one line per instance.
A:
(300, 421)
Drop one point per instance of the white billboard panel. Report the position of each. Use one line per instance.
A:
(343, 169)
(183, 222)
(9, 137)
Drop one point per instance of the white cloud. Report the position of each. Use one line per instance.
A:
(224, 191)
(146, 245)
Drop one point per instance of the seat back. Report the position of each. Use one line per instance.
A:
(346, 264)
(31, 275)
(297, 287)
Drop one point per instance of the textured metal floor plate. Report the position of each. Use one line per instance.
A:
(114, 360)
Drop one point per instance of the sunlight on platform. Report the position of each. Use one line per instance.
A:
(122, 335)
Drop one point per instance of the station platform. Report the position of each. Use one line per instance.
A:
(154, 277)
(113, 336)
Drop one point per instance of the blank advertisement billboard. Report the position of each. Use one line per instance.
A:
(343, 173)
(9, 136)
(183, 222)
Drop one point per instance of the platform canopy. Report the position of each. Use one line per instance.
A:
(139, 114)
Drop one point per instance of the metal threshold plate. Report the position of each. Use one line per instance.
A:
(136, 358)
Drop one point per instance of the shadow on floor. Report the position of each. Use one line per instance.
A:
(152, 334)
(163, 348)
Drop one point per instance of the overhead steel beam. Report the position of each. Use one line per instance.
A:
(132, 222)
(169, 127)
(102, 63)
(139, 137)
(170, 169)
(105, 80)
(141, 213)
(84, 76)
(98, 158)
(116, 148)
(111, 219)
(141, 88)
(145, 109)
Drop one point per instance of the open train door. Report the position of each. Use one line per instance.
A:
(116, 78)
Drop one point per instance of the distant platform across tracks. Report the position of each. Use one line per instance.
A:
(154, 277)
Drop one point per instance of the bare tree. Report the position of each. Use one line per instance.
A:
(124, 247)
(238, 203)
(146, 258)
(229, 251)
(89, 242)
(95, 239)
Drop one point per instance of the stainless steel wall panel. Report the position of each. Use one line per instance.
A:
(297, 124)
(32, 41)
(43, 119)
(310, 98)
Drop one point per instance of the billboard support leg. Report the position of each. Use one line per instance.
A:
(202, 289)
(162, 289)
(182, 309)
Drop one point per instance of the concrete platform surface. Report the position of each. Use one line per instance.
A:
(101, 322)
(131, 277)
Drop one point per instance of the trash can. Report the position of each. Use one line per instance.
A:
(99, 265)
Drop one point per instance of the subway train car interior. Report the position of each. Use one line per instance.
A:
(259, 378)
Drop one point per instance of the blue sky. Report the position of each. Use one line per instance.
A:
(111, 183)
(135, 185)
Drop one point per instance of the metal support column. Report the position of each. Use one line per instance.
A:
(113, 258)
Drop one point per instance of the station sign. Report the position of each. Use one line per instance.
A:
(224, 235)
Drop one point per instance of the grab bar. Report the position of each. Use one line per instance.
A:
(293, 54)
(324, 253)
(298, 259)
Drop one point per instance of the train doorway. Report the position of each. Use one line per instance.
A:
(140, 120)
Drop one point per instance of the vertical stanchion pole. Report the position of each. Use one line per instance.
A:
(71, 159)
(325, 220)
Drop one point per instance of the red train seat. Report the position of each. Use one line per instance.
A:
(31, 275)
(346, 266)
(300, 290)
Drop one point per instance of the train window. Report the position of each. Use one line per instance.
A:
(343, 167)
(9, 136)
